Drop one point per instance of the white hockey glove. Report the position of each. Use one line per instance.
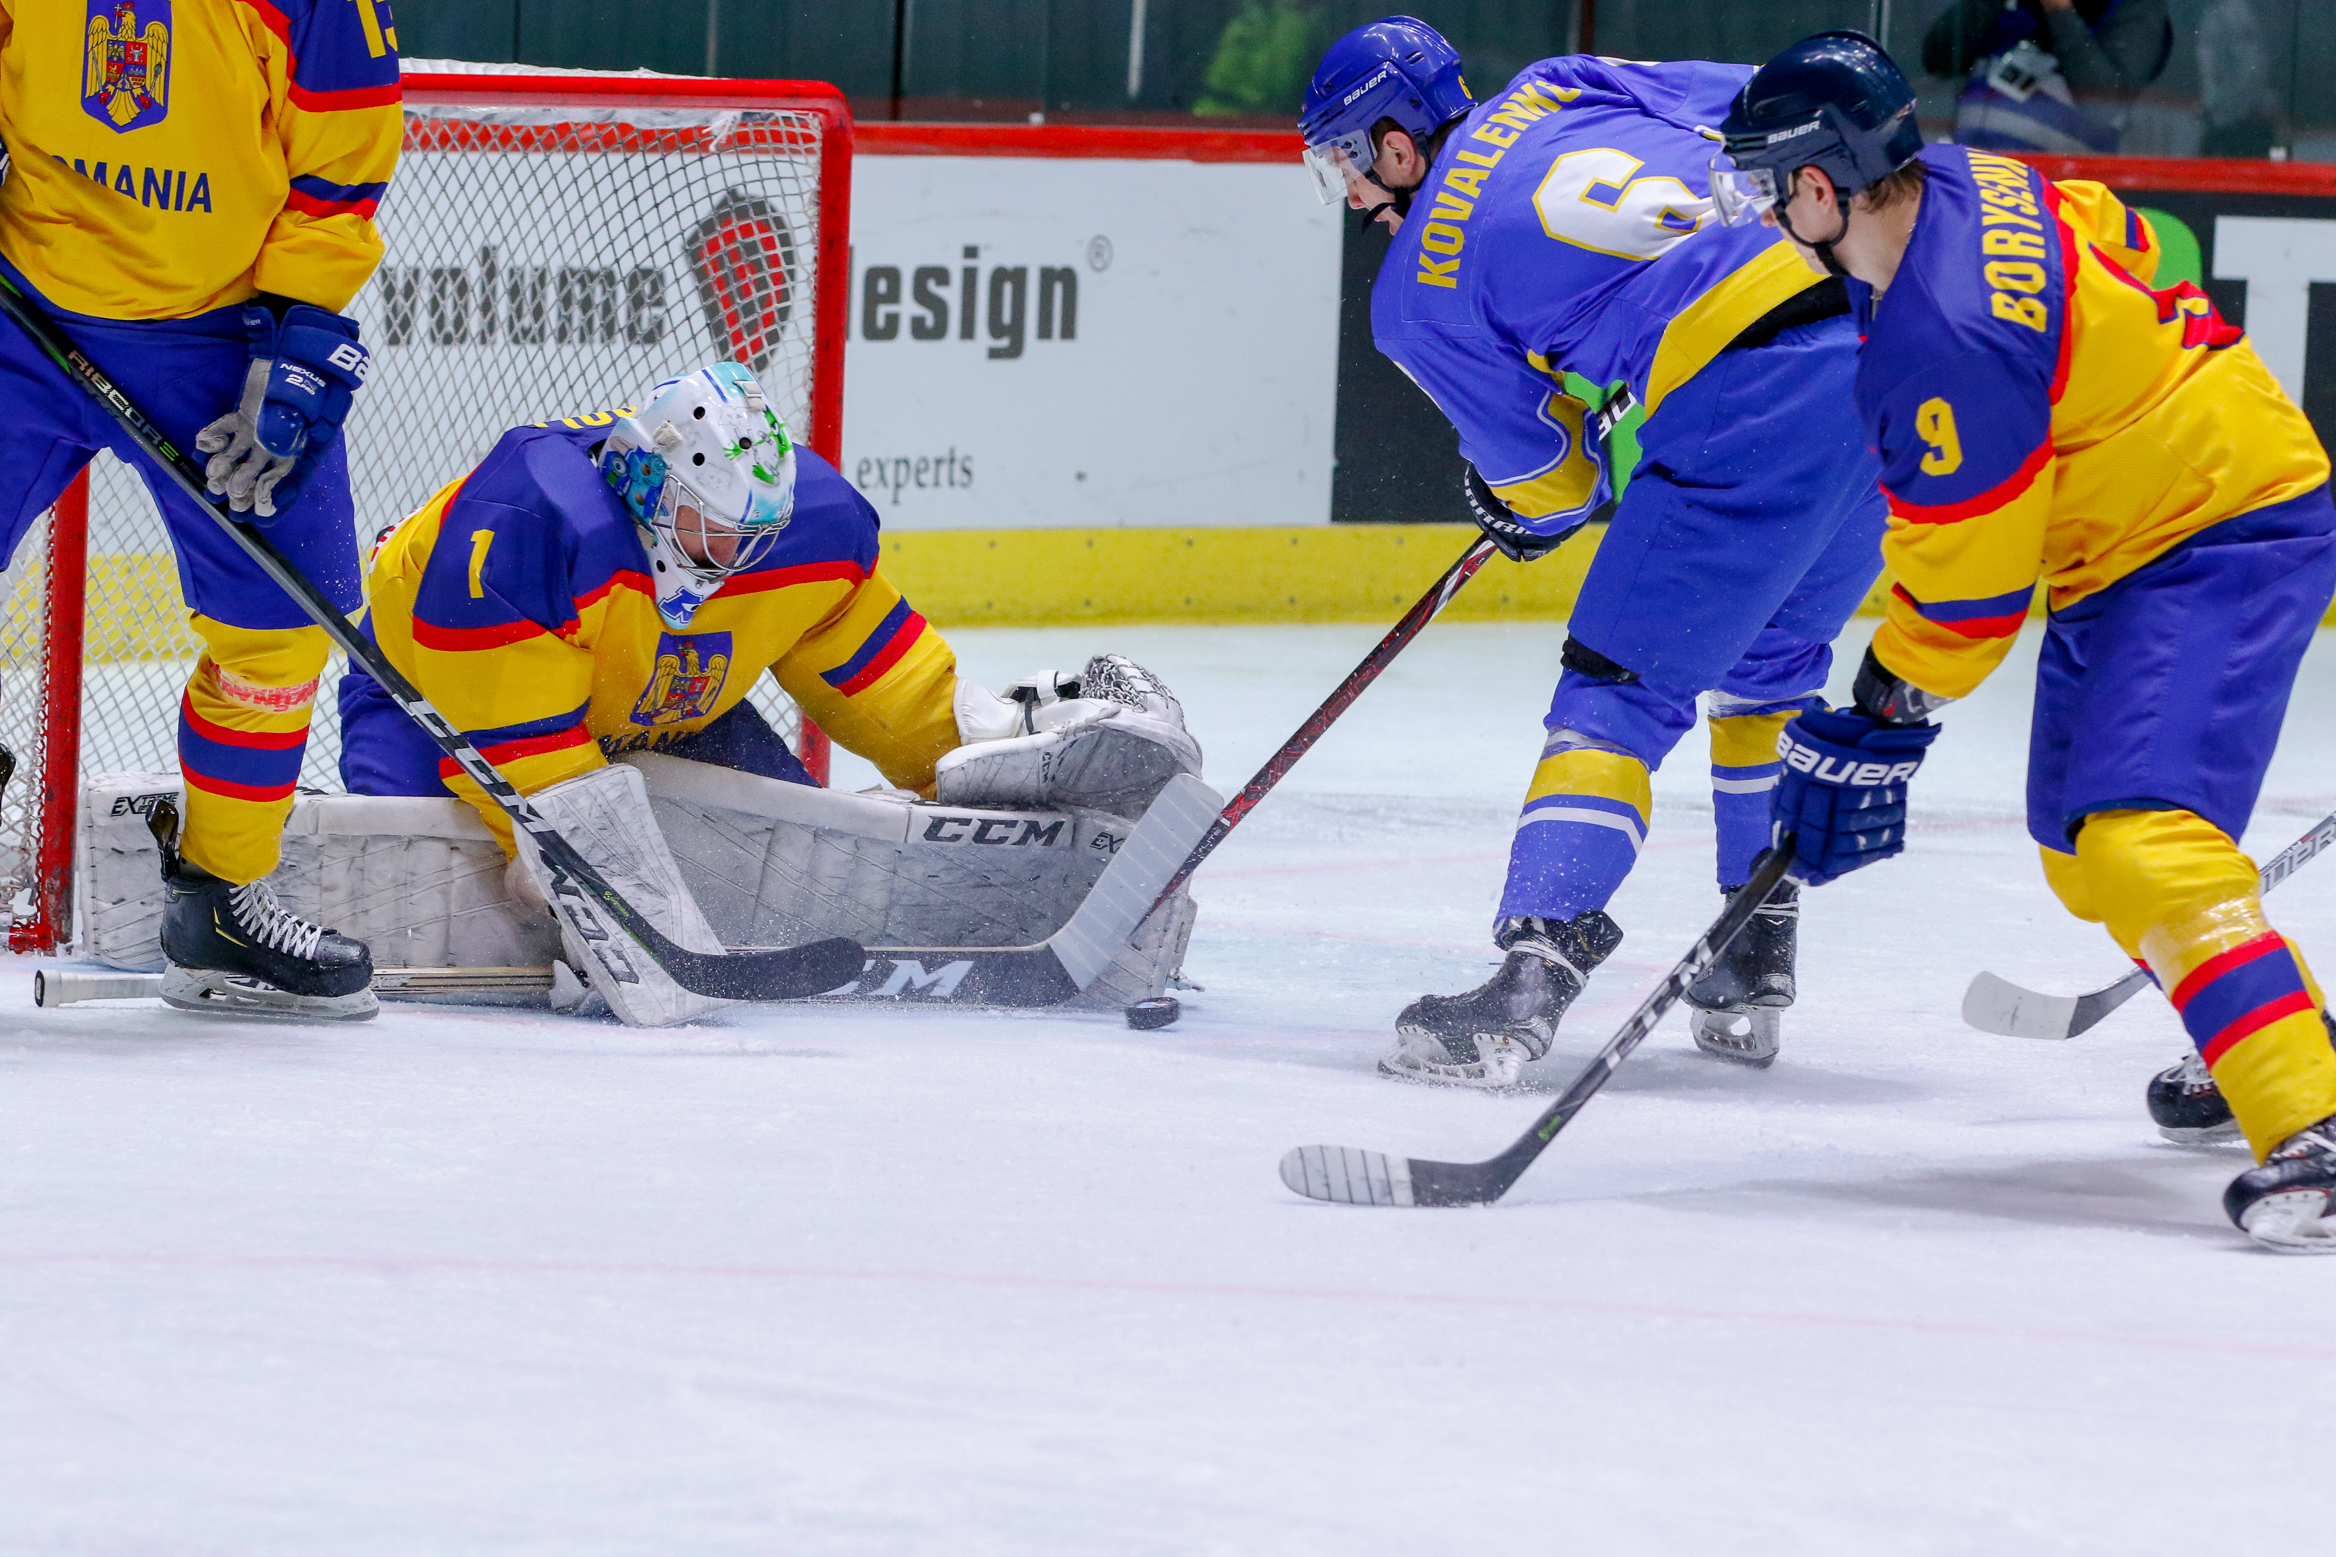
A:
(1109, 739)
(605, 814)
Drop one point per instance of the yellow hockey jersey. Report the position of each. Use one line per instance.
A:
(2043, 415)
(174, 156)
(517, 601)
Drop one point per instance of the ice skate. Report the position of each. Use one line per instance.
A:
(2186, 1105)
(1485, 1037)
(236, 951)
(2286, 1204)
(1737, 1000)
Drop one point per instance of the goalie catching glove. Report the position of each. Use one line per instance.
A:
(1108, 739)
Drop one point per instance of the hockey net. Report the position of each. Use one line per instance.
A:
(556, 242)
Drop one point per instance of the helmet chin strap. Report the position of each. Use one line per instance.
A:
(1824, 249)
(1399, 198)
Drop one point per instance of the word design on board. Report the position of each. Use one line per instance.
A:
(936, 303)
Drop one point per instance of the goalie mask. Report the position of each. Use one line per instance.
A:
(708, 472)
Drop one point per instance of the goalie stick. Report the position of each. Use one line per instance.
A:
(1997, 1005)
(1075, 956)
(762, 975)
(1360, 1178)
(1341, 698)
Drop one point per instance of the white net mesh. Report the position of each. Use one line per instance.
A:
(542, 261)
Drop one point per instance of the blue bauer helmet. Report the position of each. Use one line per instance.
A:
(1834, 102)
(1396, 68)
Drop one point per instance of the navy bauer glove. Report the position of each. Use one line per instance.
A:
(1842, 795)
(304, 372)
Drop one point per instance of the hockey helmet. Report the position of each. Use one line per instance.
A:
(1834, 102)
(708, 472)
(1396, 68)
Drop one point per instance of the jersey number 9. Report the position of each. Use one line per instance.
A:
(1934, 423)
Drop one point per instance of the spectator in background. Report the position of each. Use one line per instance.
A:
(2048, 75)
(1263, 58)
(2235, 98)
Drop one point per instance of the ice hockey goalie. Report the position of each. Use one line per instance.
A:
(591, 605)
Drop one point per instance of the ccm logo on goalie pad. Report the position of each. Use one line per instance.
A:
(1832, 770)
(141, 805)
(1010, 832)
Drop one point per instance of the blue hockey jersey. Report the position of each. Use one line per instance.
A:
(1568, 226)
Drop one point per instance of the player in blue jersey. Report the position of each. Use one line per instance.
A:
(1565, 226)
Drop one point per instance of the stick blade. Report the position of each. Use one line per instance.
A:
(1997, 1005)
(1348, 1177)
(792, 973)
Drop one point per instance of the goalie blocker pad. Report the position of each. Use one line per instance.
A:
(421, 881)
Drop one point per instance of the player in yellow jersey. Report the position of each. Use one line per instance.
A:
(190, 196)
(2044, 416)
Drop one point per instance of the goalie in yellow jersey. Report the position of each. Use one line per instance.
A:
(2044, 416)
(618, 582)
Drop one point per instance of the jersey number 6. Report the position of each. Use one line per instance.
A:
(1597, 200)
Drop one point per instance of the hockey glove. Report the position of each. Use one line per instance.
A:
(296, 393)
(1842, 795)
(1517, 539)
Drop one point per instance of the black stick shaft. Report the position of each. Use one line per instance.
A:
(689, 969)
(1340, 699)
(1633, 1032)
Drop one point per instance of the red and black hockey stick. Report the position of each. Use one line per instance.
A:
(580, 889)
(1438, 596)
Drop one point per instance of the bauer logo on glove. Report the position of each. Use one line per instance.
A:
(1848, 774)
(1842, 795)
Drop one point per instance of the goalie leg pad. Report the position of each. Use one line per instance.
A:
(605, 815)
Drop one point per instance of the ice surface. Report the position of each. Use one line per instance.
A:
(872, 1282)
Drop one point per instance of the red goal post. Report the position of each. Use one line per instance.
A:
(556, 241)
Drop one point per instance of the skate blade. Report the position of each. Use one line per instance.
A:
(225, 994)
(2224, 1134)
(1742, 1035)
(2293, 1222)
(1502, 1074)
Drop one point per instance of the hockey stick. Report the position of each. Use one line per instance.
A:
(1341, 698)
(769, 975)
(1997, 1005)
(1360, 1178)
(1075, 956)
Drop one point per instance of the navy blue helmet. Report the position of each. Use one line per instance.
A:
(1396, 68)
(1834, 102)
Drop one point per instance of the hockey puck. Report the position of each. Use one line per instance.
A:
(1145, 1015)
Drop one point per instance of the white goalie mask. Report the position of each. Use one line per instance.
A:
(708, 472)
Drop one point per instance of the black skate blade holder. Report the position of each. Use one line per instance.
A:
(162, 822)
